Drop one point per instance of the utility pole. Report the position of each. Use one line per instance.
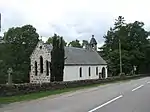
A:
(120, 56)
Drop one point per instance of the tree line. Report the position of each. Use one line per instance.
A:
(135, 47)
(21, 41)
(74, 43)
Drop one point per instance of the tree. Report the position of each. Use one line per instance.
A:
(119, 22)
(62, 59)
(84, 43)
(50, 40)
(57, 58)
(75, 43)
(3, 65)
(133, 39)
(147, 53)
(19, 43)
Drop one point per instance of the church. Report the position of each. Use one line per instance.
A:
(80, 63)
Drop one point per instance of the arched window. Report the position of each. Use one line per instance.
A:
(50, 67)
(47, 68)
(96, 70)
(35, 65)
(41, 64)
(80, 72)
(89, 71)
(103, 72)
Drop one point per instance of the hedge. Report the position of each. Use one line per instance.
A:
(21, 89)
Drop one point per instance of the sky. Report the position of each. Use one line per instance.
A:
(72, 19)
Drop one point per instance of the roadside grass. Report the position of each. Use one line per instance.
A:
(33, 96)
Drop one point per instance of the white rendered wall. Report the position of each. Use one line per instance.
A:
(72, 72)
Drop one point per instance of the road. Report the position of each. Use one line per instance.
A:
(126, 96)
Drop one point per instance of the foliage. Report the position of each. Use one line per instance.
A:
(50, 41)
(19, 44)
(133, 40)
(57, 58)
(84, 43)
(75, 43)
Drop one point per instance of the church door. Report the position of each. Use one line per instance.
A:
(103, 72)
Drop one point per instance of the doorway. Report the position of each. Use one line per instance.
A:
(103, 73)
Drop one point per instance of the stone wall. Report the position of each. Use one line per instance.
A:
(40, 50)
(21, 89)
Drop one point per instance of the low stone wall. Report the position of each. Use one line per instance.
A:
(21, 89)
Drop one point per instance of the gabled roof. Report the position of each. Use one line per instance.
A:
(80, 56)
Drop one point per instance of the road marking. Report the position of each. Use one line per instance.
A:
(148, 82)
(106, 103)
(137, 88)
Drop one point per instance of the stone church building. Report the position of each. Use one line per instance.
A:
(80, 64)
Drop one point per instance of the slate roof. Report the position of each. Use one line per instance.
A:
(80, 56)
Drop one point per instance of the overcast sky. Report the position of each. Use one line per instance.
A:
(72, 19)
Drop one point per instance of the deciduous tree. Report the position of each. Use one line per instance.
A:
(133, 39)
(75, 43)
(19, 44)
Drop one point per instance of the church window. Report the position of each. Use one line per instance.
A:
(35, 68)
(80, 72)
(41, 64)
(96, 70)
(47, 68)
(89, 71)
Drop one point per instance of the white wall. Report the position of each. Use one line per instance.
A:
(72, 72)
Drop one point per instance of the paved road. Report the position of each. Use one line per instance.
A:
(129, 96)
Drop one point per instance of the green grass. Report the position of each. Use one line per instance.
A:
(32, 96)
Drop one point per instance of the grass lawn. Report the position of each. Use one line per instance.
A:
(31, 96)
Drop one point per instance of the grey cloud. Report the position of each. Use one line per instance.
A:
(74, 25)
(11, 18)
(81, 26)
